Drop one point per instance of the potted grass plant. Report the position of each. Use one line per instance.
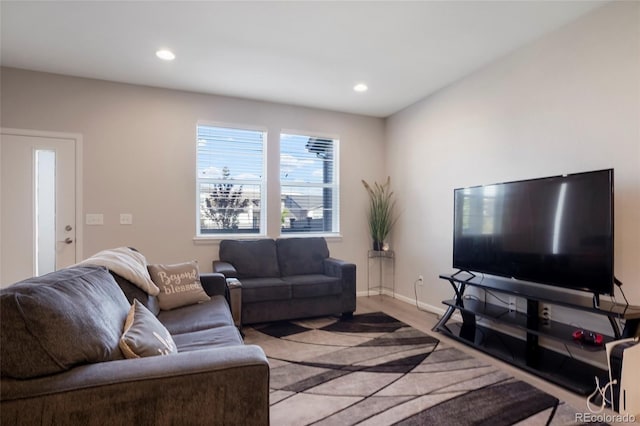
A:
(381, 215)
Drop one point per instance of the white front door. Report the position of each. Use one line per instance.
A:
(38, 204)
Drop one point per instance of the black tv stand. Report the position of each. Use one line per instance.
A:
(464, 271)
(524, 351)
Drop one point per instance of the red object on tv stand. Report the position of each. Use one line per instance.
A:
(588, 337)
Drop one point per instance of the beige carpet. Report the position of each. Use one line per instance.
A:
(376, 370)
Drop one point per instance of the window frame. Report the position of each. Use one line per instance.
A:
(335, 186)
(264, 226)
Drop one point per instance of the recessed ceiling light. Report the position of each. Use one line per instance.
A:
(165, 54)
(360, 87)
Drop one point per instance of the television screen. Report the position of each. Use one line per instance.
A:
(556, 230)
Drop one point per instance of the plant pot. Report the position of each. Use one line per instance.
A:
(377, 245)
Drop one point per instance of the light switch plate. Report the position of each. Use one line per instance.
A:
(94, 219)
(126, 219)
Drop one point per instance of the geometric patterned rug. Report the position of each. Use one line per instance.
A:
(372, 369)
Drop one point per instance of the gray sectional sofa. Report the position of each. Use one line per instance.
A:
(61, 363)
(288, 278)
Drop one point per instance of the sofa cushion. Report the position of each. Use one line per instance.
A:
(298, 256)
(179, 284)
(213, 313)
(144, 335)
(133, 292)
(251, 258)
(313, 285)
(265, 289)
(227, 335)
(54, 322)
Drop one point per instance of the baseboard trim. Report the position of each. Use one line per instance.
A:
(436, 310)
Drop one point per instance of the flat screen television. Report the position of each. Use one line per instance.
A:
(556, 230)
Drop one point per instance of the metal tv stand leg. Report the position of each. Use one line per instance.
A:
(468, 319)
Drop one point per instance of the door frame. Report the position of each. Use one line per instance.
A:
(77, 138)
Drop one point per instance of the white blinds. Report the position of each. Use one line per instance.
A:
(240, 151)
(230, 174)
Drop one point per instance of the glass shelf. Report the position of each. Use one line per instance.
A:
(385, 272)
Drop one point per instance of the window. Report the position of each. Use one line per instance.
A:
(230, 181)
(308, 184)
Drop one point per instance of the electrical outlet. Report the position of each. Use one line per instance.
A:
(512, 303)
(545, 315)
(545, 312)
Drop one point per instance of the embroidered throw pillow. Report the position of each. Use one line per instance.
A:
(179, 284)
(144, 335)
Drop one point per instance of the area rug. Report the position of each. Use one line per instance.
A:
(375, 370)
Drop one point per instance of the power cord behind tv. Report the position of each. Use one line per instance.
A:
(619, 284)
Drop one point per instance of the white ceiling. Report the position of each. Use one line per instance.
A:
(301, 53)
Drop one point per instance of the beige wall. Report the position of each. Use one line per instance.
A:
(568, 102)
(139, 157)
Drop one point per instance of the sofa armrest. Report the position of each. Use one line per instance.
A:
(347, 273)
(338, 268)
(214, 284)
(225, 268)
(226, 385)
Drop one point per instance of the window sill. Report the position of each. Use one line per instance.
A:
(215, 239)
(202, 240)
(328, 237)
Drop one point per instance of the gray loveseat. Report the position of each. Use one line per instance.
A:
(61, 363)
(288, 278)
